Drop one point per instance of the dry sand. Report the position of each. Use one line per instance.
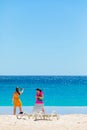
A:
(66, 122)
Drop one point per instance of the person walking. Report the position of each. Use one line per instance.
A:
(16, 100)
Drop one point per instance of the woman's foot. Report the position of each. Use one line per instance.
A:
(21, 113)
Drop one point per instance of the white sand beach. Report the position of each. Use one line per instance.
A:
(65, 122)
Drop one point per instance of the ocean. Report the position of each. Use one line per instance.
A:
(58, 90)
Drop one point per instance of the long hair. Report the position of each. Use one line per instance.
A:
(17, 90)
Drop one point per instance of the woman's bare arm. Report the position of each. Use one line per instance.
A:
(13, 98)
(22, 91)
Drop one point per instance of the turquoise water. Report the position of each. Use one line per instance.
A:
(58, 90)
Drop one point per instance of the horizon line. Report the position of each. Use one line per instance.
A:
(41, 75)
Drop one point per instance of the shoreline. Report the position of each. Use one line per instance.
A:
(62, 110)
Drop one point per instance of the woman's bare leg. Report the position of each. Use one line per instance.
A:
(14, 111)
(43, 110)
(20, 108)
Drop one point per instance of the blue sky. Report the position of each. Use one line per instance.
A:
(46, 37)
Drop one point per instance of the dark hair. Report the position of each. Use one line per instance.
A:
(17, 90)
(39, 90)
